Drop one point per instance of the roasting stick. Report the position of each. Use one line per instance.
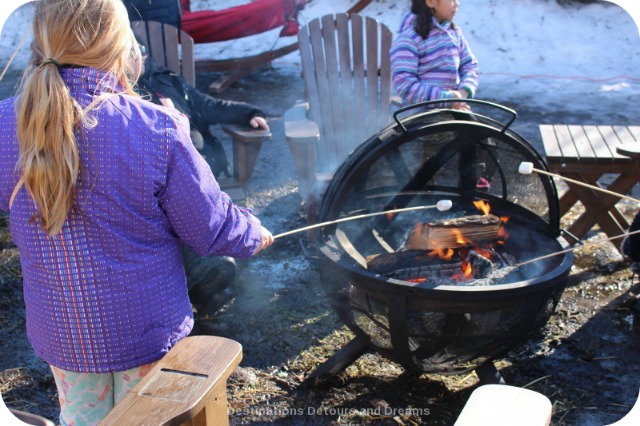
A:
(442, 205)
(526, 168)
(546, 256)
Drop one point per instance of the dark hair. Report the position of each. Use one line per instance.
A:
(424, 17)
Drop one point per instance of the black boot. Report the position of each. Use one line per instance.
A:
(210, 281)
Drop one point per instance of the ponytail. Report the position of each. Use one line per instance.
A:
(49, 158)
(85, 33)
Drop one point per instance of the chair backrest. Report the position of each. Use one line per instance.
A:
(347, 75)
(168, 46)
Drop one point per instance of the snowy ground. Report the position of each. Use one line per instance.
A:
(586, 57)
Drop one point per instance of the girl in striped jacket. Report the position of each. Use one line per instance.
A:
(430, 59)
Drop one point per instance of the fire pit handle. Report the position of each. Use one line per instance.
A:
(503, 108)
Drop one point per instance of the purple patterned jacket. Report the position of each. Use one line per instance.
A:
(108, 293)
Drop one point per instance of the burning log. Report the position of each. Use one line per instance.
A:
(454, 233)
(388, 262)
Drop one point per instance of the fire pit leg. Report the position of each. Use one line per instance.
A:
(353, 350)
(488, 374)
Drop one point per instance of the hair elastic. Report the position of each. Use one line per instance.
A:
(50, 61)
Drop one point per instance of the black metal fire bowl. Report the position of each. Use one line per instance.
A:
(432, 326)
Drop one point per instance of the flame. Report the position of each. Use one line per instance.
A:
(461, 239)
(445, 254)
(483, 206)
(416, 280)
(503, 235)
(504, 219)
(486, 253)
(467, 270)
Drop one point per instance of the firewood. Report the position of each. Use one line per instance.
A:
(454, 233)
(388, 262)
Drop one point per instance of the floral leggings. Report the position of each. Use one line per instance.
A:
(86, 398)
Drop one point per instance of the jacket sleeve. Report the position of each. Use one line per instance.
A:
(203, 216)
(469, 77)
(406, 81)
(209, 110)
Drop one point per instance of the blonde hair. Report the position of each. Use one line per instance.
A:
(79, 33)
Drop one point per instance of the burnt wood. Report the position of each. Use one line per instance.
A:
(385, 263)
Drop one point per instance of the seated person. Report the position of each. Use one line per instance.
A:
(165, 87)
(210, 279)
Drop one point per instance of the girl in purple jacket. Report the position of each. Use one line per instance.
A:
(430, 58)
(102, 189)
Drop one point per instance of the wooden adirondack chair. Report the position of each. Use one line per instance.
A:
(173, 48)
(347, 77)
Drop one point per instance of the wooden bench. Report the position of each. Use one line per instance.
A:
(187, 387)
(504, 405)
(586, 154)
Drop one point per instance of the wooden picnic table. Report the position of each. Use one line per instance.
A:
(586, 153)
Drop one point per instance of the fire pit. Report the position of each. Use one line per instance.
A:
(453, 314)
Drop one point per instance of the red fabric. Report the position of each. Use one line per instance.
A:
(248, 19)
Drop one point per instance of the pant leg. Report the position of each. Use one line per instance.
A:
(85, 398)
(124, 381)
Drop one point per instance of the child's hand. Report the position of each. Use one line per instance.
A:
(266, 241)
(460, 94)
(259, 122)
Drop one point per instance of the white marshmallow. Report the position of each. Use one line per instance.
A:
(525, 168)
(444, 205)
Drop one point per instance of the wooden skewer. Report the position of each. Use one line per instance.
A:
(546, 256)
(526, 169)
(442, 205)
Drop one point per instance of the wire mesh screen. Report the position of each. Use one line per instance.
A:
(431, 324)
(441, 154)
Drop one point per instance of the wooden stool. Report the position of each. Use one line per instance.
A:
(503, 405)
(586, 153)
(187, 386)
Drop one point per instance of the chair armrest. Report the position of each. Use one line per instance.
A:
(246, 133)
(297, 127)
(189, 382)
